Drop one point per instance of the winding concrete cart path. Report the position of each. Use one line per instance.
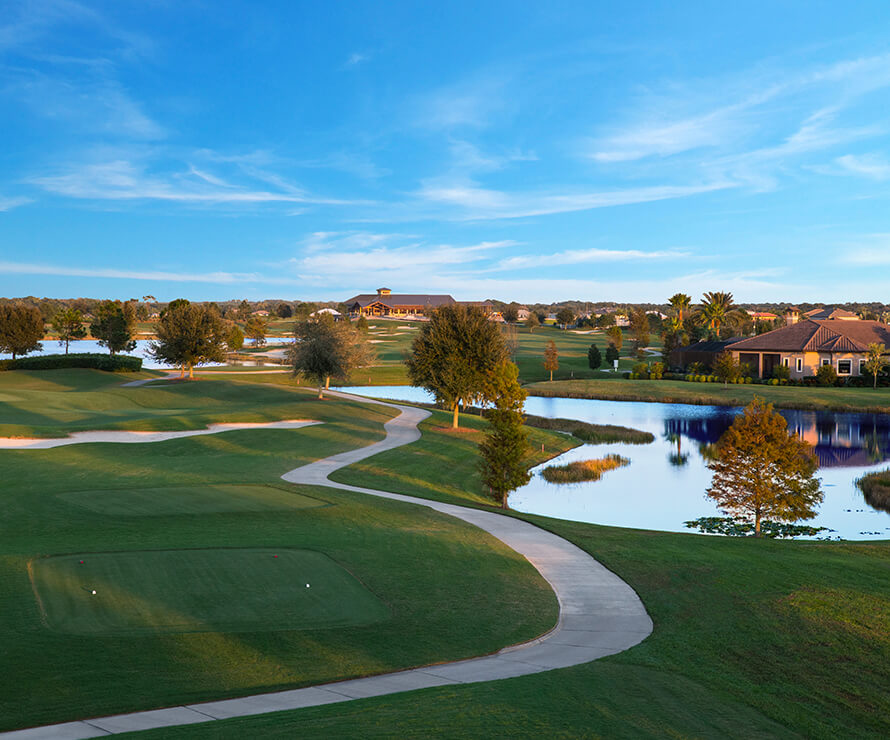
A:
(39, 443)
(599, 615)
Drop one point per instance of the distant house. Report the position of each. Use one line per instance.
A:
(522, 313)
(261, 312)
(804, 346)
(621, 320)
(337, 316)
(387, 303)
(762, 315)
(831, 314)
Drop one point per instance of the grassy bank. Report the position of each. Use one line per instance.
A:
(179, 540)
(752, 639)
(591, 433)
(714, 394)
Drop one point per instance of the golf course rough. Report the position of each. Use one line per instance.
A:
(210, 590)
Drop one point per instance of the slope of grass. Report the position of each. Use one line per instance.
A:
(715, 394)
(449, 590)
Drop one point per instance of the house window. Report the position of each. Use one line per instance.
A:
(844, 367)
(785, 361)
(826, 362)
(862, 367)
(800, 364)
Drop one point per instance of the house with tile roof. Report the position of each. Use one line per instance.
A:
(804, 346)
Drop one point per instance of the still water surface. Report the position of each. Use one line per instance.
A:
(665, 483)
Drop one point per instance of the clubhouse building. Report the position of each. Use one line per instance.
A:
(385, 303)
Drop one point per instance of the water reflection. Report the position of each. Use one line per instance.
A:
(665, 483)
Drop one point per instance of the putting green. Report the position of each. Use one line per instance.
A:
(205, 499)
(224, 590)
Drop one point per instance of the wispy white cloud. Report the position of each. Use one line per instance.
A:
(867, 250)
(220, 278)
(339, 254)
(587, 256)
(467, 104)
(124, 180)
(7, 204)
(356, 58)
(477, 203)
(871, 166)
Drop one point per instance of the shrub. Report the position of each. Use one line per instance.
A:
(656, 371)
(826, 375)
(640, 370)
(781, 372)
(88, 360)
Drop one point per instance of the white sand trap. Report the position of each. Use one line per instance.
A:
(34, 443)
(378, 341)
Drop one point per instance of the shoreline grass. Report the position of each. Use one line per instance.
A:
(845, 400)
(583, 470)
(876, 489)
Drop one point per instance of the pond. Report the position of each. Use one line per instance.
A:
(52, 347)
(665, 483)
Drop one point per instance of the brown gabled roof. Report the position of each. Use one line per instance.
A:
(834, 335)
(431, 301)
(825, 314)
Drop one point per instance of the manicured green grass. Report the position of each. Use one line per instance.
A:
(449, 590)
(142, 592)
(752, 638)
(443, 465)
(715, 394)
(195, 499)
(52, 403)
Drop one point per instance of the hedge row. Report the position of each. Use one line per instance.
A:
(89, 360)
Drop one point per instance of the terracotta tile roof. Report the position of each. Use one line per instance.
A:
(824, 314)
(818, 336)
(393, 300)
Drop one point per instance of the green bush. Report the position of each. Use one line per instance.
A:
(656, 371)
(88, 360)
(640, 370)
(748, 380)
(826, 375)
(781, 372)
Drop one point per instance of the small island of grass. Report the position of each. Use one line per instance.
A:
(583, 470)
(876, 488)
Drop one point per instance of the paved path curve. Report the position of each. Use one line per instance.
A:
(39, 443)
(599, 615)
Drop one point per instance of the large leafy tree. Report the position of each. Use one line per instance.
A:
(551, 358)
(68, 324)
(761, 471)
(875, 360)
(21, 329)
(717, 310)
(111, 328)
(189, 335)
(503, 450)
(615, 336)
(727, 368)
(532, 322)
(256, 328)
(564, 317)
(454, 354)
(325, 349)
(639, 327)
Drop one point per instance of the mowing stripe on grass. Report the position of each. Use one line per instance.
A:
(599, 614)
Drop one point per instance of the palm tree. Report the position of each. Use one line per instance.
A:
(717, 309)
(680, 302)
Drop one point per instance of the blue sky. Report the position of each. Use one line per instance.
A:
(517, 150)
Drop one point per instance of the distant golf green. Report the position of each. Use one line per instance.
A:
(214, 590)
(189, 500)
